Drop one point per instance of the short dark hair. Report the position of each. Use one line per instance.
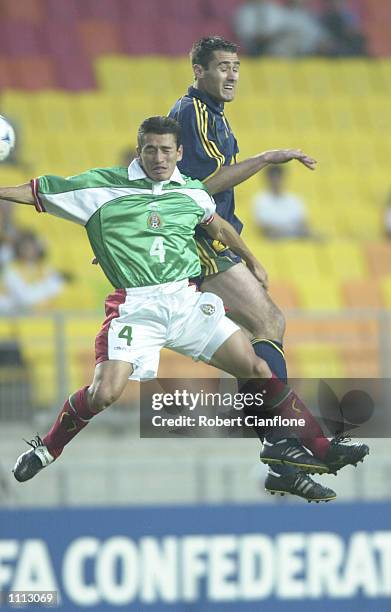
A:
(202, 50)
(160, 125)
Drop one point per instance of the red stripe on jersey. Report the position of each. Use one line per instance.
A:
(112, 304)
(209, 220)
(39, 207)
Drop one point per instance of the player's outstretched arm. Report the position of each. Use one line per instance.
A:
(219, 229)
(21, 194)
(229, 176)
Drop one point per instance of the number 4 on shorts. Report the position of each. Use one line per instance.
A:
(126, 332)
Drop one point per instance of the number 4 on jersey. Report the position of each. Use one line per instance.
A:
(157, 249)
(126, 333)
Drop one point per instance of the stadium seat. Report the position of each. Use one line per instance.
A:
(31, 73)
(29, 10)
(385, 288)
(80, 354)
(342, 260)
(362, 293)
(54, 110)
(103, 10)
(283, 294)
(99, 37)
(142, 37)
(75, 72)
(191, 10)
(318, 294)
(36, 336)
(113, 73)
(220, 10)
(379, 258)
(176, 41)
(318, 360)
(20, 38)
(300, 259)
(65, 13)
(361, 362)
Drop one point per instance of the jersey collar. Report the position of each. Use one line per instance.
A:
(136, 172)
(217, 107)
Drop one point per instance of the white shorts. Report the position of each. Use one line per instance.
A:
(142, 321)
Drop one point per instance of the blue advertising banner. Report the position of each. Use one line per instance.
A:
(196, 558)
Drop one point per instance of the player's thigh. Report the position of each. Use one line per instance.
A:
(246, 300)
(110, 379)
(237, 357)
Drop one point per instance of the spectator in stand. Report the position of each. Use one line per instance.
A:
(28, 281)
(277, 213)
(343, 26)
(265, 27)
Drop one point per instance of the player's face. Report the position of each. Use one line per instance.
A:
(159, 155)
(221, 77)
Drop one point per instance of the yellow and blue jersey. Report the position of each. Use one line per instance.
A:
(208, 143)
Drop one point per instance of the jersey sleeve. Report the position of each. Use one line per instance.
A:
(208, 205)
(201, 155)
(68, 198)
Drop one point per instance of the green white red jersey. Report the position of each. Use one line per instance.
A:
(141, 231)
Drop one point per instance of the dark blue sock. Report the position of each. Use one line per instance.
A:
(272, 352)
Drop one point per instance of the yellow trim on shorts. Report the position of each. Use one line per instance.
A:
(255, 340)
(204, 260)
(208, 261)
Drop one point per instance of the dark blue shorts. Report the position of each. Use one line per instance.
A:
(215, 257)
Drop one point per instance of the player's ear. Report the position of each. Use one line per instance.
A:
(198, 71)
(179, 154)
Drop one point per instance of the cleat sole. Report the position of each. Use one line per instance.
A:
(317, 500)
(309, 469)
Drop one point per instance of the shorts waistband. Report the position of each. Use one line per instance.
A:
(158, 289)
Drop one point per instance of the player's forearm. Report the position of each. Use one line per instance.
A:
(230, 176)
(21, 194)
(225, 233)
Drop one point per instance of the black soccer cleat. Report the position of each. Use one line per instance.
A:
(299, 484)
(291, 452)
(343, 451)
(32, 461)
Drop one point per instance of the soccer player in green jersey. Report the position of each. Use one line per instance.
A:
(140, 222)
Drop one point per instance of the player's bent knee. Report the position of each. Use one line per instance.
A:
(260, 369)
(253, 367)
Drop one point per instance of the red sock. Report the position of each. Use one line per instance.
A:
(281, 400)
(73, 417)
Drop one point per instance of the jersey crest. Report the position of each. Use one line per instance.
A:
(154, 221)
(208, 309)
